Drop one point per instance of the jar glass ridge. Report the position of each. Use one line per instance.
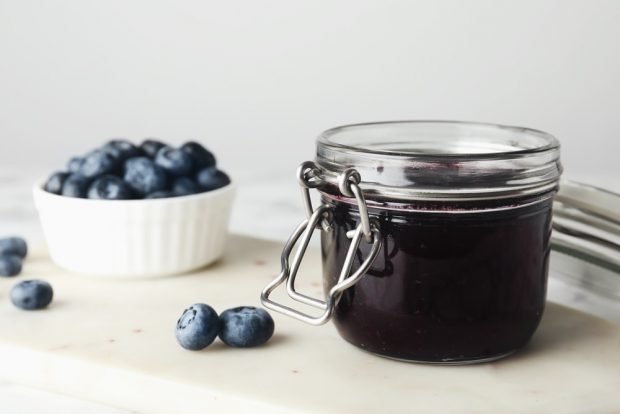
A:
(441, 160)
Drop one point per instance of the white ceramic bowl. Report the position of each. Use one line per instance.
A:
(139, 238)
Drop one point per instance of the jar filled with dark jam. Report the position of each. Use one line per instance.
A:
(435, 237)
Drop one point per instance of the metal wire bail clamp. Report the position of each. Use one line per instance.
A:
(309, 176)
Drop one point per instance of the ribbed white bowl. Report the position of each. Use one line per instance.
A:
(139, 238)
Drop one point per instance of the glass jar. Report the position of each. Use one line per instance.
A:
(435, 237)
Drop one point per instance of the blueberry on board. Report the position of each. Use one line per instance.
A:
(151, 146)
(10, 265)
(76, 185)
(246, 326)
(55, 181)
(13, 245)
(110, 187)
(144, 177)
(185, 186)
(201, 157)
(74, 164)
(121, 149)
(197, 327)
(98, 162)
(212, 178)
(173, 160)
(159, 194)
(31, 294)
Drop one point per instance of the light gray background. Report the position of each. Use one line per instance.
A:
(258, 80)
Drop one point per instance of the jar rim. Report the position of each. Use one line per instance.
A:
(441, 159)
(326, 138)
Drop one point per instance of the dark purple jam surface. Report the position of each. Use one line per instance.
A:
(446, 287)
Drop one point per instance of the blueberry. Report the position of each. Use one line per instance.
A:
(159, 194)
(10, 265)
(185, 186)
(76, 185)
(197, 327)
(55, 181)
(246, 327)
(173, 160)
(110, 187)
(201, 157)
(144, 177)
(74, 164)
(212, 178)
(13, 245)
(32, 294)
(98, 162)
(121, 149)
(151, 146)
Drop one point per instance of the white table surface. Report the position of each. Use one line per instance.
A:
(269, 209)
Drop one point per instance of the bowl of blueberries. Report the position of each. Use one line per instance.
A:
(136, 210)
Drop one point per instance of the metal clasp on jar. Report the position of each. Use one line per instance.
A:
(309, 176)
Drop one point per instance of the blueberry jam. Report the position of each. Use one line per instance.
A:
(445, 287)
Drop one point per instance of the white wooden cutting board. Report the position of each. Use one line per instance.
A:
(113, 341)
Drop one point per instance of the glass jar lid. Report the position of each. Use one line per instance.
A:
(442, 160)
(585, 246)
(586, 225)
